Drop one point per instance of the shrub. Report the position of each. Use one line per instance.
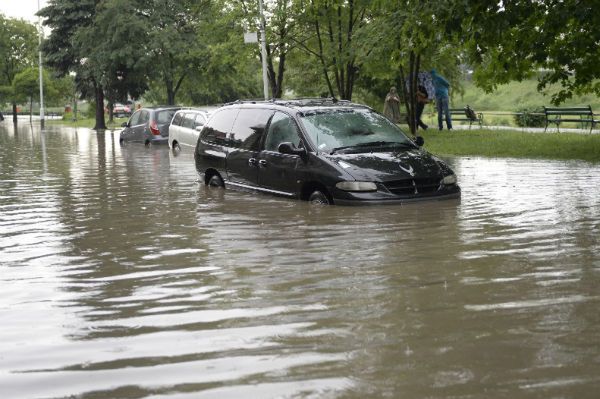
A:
(530, 117)
(67, 116)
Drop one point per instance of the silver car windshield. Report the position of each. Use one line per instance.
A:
(355, 130)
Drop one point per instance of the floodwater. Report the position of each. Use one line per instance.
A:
(123, 277)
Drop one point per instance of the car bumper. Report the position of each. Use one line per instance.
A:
(379, 199)
(159, 140)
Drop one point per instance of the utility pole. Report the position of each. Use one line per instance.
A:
(263, 40)
(41, 67)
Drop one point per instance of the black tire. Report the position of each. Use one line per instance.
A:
(319, 198)
(147, 143)
(121, 141)
(176, 148)
(215, 181)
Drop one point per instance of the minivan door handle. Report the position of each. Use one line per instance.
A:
(262, 163)
(252, 161)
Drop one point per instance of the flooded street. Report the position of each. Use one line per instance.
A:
(123, 277)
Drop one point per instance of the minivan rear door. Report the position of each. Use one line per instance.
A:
(243, 142)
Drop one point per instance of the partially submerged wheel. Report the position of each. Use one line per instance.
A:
(176, 148)
(319, 198)
(215, 181)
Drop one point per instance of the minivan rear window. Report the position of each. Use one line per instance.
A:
(219, 126)
(248, 128)
(165, 116)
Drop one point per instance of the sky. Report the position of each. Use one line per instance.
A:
(25, 9)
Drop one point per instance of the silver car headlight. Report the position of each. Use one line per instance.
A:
(449, 180)
(357, 186)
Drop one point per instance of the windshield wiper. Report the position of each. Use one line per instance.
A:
(372, 144)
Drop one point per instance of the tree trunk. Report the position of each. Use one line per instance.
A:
(110, 111)
(30, 109)
(14, 108)
(99, 95)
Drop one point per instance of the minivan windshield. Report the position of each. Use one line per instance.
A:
(352, 130)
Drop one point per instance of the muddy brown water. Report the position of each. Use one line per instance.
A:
(123, 277)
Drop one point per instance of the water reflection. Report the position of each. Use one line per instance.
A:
(122, 276)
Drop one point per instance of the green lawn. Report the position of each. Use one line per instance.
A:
(87, 122)
(514, 144)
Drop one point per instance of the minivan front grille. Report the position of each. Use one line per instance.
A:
(413, 186)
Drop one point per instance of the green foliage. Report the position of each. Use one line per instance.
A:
(18, 45)
(508, 40)
(26, 85)
(530, 117)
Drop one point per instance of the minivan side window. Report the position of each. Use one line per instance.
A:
(220, 125)
(282, 129)
(248, 128)
(177, 119)
(188, 121)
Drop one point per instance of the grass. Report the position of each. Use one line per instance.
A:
(514, 144)
(87, 123)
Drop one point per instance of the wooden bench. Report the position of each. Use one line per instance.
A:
(466, 114)
(583, 115)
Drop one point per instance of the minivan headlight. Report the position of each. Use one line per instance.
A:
(357, 186)
(449, 180)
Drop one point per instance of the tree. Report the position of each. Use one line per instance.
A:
(26, 87)
(409, 35)
(117, 61)
(66, 49)
(509, 40)
(18, 44)
(335, 24)
(171, 40)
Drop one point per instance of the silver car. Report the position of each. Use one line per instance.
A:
(185, 128)
(148, 125)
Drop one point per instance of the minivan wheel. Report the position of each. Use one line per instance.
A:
(319, 198)
(215, 181)
(176, 148)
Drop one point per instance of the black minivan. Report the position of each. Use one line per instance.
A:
(321, 150)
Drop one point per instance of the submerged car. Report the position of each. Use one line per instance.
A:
(185, 128)
(323, 151)
(148, 125)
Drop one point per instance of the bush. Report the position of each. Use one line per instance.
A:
(67, 116)
(530, 117)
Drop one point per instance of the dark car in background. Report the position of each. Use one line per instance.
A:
(148, 125)
(323, 151)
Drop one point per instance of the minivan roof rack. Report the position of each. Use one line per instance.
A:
(299, 102)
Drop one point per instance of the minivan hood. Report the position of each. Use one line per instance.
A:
(386, 166)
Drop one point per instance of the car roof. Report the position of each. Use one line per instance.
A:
(299, 104)
(206, 111)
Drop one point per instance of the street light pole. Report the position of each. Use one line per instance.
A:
(263, 40)
(41, 67)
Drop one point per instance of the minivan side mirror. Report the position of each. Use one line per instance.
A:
(124, 124)
(419, 140)
(199, 128)
(288, 148)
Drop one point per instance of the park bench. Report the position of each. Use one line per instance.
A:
(583, 115)
(466, 114)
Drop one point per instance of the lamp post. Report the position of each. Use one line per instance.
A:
(40, 67)
(263, 42)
